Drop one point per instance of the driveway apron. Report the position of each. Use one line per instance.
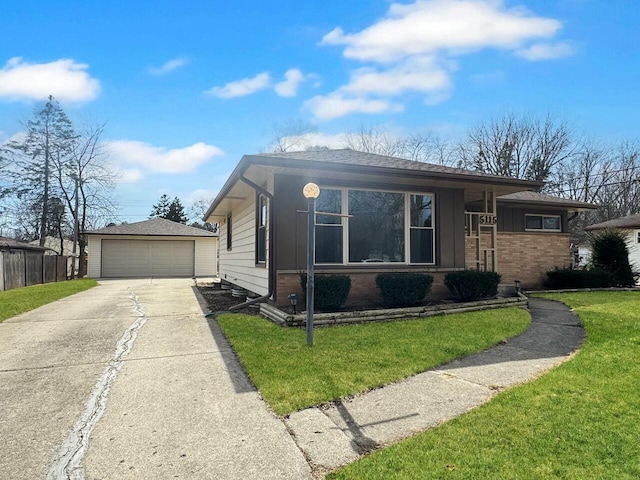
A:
(178, 405)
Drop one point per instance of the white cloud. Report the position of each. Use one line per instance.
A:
(65, 79)
(449, 26)
(336, 105)
(241, 88)
(289, 86)
(546, 51)
(159, 159)
(130, 175)
(415, 48)
(201, 194)
(421, 74)
(169, 66)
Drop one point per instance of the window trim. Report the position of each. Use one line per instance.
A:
(406, 228)
(260, 198)
(542, 217)
(229, 233)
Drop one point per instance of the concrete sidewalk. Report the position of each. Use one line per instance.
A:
(339, 434)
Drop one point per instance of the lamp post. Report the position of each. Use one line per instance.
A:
(310, 192)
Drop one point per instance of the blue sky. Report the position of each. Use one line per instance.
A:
(187, 88)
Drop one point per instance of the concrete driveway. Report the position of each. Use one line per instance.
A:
(129, 381)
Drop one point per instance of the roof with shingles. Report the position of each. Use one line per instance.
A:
(155, 227)
(630, 221)
(6, 242)
(543, 198)
(355, 157)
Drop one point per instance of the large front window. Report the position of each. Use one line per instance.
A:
(374, 227)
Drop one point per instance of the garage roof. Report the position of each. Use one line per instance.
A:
(156, 227)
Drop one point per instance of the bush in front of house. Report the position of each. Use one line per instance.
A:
(468, 285)
(566, 278)
(403, 289)
(330, 291)
(610, 252)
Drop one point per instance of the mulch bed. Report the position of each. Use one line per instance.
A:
(219, 300)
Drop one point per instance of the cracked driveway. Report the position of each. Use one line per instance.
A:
(177, 403)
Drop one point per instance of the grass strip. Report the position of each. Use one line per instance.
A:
(581, 420)
(19, 300)
(352, 358)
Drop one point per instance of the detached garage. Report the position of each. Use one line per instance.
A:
(152, 248)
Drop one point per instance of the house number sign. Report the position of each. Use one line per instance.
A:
(488, 219)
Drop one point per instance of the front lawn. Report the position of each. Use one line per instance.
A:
(582, 420)
(20, 300)
(352, 358)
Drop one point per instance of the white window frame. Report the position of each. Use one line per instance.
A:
(542, 217)
(407, 226)
(637, 236)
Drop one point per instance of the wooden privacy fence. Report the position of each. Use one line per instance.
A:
(21, 268)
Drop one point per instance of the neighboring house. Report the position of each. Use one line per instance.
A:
(398, 216)
(631, 225)
(53, 244)
(152, 248)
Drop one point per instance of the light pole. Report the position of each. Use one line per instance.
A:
(310, 192)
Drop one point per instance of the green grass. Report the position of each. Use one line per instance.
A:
(20, 300)
(352, 358)
(580, 421)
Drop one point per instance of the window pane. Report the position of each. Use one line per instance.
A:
(421, 245)
(533, 222)
(328, 244)
(329, 201)
(376, 230)
(421, 210)
(263, 211)
(552, 223)
(262, 245)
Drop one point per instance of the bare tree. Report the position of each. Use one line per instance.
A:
(517, 146)
(420, 147)
(198, 210)
(290, 136)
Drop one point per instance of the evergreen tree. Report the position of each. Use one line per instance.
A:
(170, 210)
(161, 209)
(176, 212)
(610, 252)
(48, 142)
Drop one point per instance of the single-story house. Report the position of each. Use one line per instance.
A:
(151, 248)
(631, 225)
(388, 215)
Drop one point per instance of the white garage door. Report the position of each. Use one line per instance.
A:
(147, 258)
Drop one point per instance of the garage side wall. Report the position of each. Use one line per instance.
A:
(206, 257)
(95, 255)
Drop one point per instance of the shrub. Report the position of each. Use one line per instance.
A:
(561, 278)
(472, 284)
(609, 252)
(403, 289)
(330, 291)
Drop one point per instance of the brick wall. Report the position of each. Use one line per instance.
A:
(528, 256)
(363, 287)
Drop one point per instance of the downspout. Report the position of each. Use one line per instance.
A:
(271, 256)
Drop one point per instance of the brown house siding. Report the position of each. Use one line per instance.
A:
(528, 256)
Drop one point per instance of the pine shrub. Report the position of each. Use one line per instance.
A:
(330, 291)
(403, 289)
(610, 252)
(468, 285)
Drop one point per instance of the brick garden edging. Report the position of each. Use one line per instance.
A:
(340, 318)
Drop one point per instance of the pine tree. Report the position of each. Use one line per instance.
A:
(48, 142)
(161, 209)
(176, 212)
